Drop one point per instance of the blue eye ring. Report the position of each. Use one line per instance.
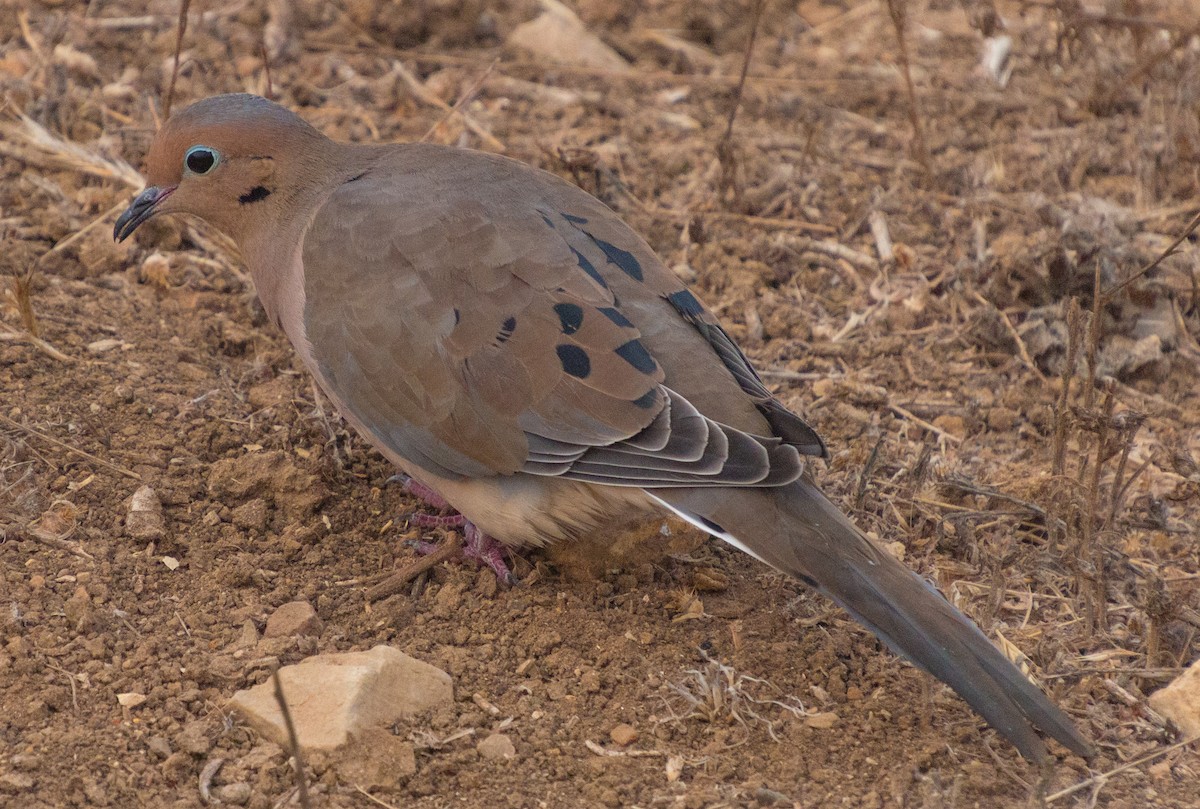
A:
(201, 159)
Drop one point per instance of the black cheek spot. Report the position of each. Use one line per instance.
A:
(570, 317)
(685, 303)
(587, 267)
(258, 192)
(622, 258)
(574, 220)
(636, 355)
(574, 361)
(615, 316)
(648, 400)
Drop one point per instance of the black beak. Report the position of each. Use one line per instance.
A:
(141, 209)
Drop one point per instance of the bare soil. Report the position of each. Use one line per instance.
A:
(1066, 525)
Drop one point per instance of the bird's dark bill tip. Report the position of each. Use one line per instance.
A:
(142, 208)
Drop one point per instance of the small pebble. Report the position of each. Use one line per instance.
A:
(497, 747)
(237, 794)
(145, 517)
(623, 734)
(294, 618)
(821, 721)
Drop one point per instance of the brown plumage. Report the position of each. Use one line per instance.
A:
(505, 339)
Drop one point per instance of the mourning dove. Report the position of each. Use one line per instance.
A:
(508, 342)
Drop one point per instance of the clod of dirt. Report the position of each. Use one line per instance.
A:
(333, 697)
(1180, 701)
(251, 515)
(271, 476)
(194, 738)
(145, 517)
(377, 759)
(293, 619)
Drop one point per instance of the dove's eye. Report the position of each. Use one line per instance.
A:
(201, 159)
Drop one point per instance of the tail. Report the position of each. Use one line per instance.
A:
(795, 529)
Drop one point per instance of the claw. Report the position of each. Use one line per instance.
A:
(486, 550)
(480, 548)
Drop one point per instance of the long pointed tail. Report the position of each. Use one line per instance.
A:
(796, 529)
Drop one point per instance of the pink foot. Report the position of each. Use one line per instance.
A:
(480, 548)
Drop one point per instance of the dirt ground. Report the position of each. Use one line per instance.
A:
(923, 301)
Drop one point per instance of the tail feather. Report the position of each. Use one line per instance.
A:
(796, 529)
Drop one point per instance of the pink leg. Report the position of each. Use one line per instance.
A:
(479, 547)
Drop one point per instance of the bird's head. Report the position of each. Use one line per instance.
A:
(229, 160)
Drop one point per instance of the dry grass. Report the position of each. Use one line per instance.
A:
(719, 693)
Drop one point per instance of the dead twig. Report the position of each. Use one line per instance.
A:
(293, 740)
(463, 100)
(70, 680)
(36, 342)
(1022, 351)
(726, 154)
(898, 11)
(423, 94)
(372, 798)
(56, 542)
(129, 473)
(180, 30)
(1100, 779)
(398, 581)
(923, 424)
(1112, 291)
(207, 774)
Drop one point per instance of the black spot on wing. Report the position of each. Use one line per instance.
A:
(258, 192)
(647, 400)
(574, 361)
(615, 316)
(622, 258)
(587, 267)
(547, 220)
(570, 316)
(575, 220)
(506, 330)
(636, 355)
(457, 316)
(685, 303)
(709, 525)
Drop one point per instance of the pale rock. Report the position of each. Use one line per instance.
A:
(130, 699)
(334, 696)
(145, 517)
(248, 637)
(560, 36)
(496, 747)
(1179, 701)
(293, 618)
